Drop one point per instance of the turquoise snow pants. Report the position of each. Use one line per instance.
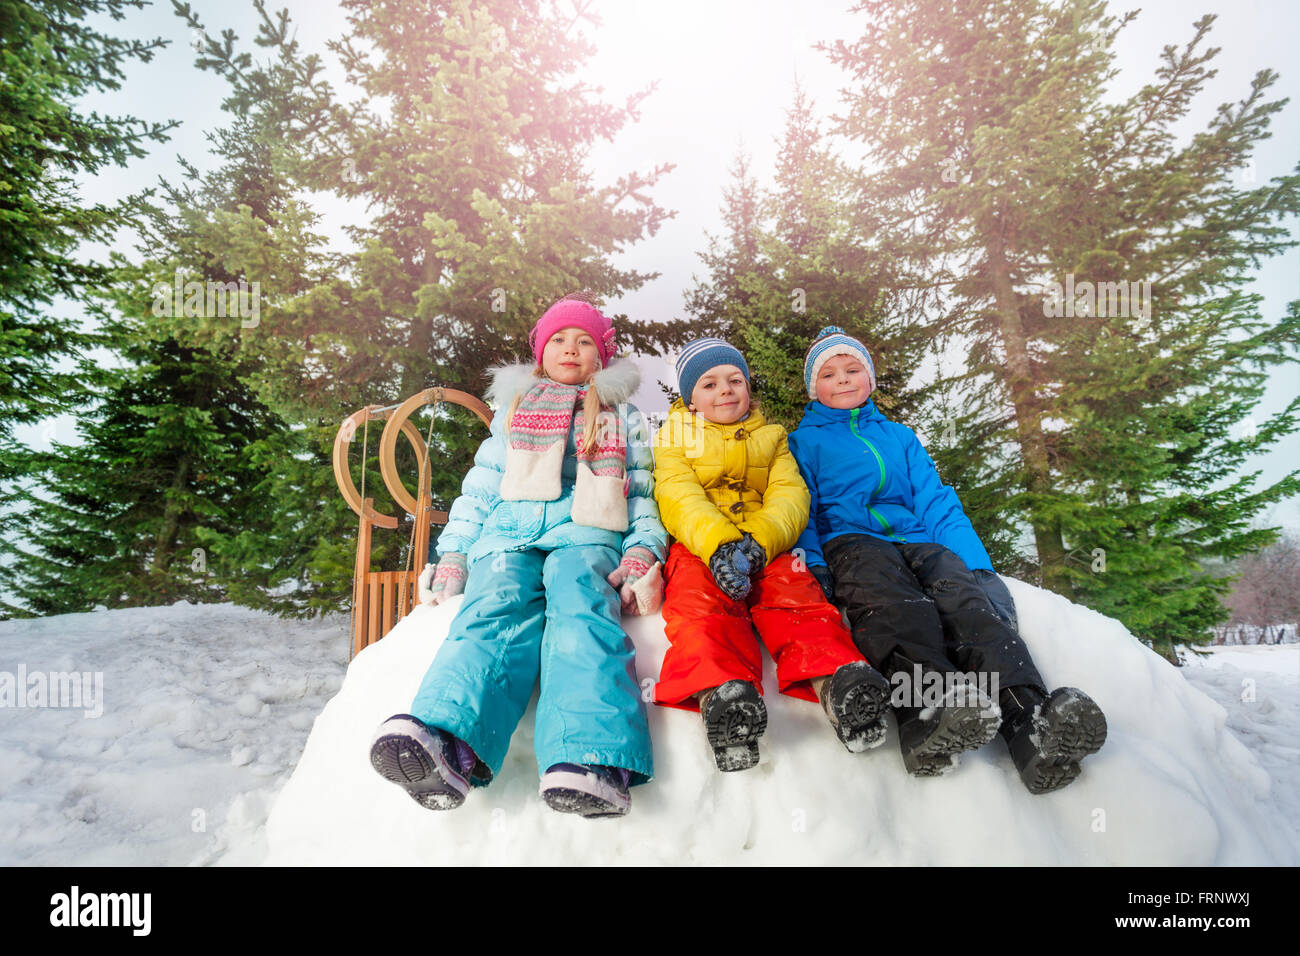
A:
(550, 615)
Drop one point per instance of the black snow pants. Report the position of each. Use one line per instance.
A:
(918, 604)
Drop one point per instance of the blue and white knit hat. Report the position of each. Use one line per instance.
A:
(833, 340)
(699, 356)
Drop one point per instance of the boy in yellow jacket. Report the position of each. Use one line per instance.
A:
(731, 494)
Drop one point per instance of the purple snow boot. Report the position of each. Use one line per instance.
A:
(431, 765)
(588, 790)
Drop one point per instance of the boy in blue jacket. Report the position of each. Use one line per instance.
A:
(890, 543)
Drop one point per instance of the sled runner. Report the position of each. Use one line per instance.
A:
(382, 598)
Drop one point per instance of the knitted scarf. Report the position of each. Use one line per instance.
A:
(535, 447)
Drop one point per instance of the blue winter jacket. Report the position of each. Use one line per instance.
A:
(868, 475)
(480, 522)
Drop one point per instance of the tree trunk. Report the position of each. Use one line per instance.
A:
(1029, 422)
(165, 542)
(420, 342)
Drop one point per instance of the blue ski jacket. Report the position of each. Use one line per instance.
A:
(868, 475)
(481, 522)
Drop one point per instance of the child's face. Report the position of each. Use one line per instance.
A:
(570, 357)
(843, 382)
(721, 395)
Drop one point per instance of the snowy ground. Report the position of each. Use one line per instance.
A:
(206, 711)
(1259, 688)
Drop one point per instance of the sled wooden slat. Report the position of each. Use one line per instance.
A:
(398, 588)
(405, 587)
(372, 611)
(388, 587)
(382, 599)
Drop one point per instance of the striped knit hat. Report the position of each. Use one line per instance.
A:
(833, 340)
(699, 356)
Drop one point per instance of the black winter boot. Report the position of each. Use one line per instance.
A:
(1048, 736)
(734, 718)
(932, 737)
(856, 699)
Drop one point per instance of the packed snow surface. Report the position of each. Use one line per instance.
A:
(1172, 786)
(206, 710)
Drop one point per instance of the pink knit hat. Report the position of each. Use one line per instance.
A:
(574, 313)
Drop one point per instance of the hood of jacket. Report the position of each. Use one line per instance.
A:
(615, 384)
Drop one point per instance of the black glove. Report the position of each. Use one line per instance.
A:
(730, 569)
(823, 576)
(999, 597)
(754, 552)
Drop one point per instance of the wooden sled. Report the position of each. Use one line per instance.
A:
(382, 598)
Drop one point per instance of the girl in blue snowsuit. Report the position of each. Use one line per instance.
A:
(891, 544)
(555, 532)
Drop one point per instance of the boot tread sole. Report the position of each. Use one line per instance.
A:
(567, 800)
(858, 709)
(956, 730)
(1067, 734)
(733, 724)
(404, 761)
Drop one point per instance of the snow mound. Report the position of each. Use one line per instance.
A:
(1172, 787)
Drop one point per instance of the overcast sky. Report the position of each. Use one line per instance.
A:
(725, 70)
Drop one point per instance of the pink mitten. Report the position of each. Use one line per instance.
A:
(649, 591)
(443, 580)
(634, 567)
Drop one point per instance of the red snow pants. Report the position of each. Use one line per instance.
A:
(713, 640)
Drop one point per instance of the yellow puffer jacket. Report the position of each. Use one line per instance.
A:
(714, 482)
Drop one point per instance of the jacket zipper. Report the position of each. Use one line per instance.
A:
(853, 426)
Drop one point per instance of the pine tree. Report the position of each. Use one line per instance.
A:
(49, 59)
(121, 519)
(468, 150)
(989, 147)
(228, 499)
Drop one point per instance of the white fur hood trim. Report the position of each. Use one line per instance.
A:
(615, 384)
